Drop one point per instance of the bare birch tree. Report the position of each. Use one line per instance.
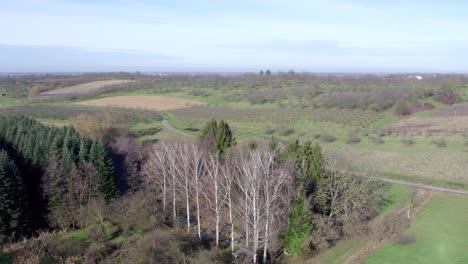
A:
(212, 192)
(197, 156)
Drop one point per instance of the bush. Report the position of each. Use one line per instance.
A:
(353, 138)
(441, 143)
(376, 139)
(286, 131)
(159, 246)
(269, 131)
(328, 138)
(67, 247)
(403, 107)
(407, 141)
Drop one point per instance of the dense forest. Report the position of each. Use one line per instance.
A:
(44, 170)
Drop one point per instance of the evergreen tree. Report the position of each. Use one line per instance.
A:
(299, 226)
(54, 185)
(217, 136)
(105, 171)
(12, 203)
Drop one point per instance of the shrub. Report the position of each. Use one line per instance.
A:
(353, 138)
(269, 131)
(403, 107)
(441, 143)
(286, 131)
(328, 138)
(376, 139)
(67, 247)
(406, 239)
(407, 141)
(252, 145)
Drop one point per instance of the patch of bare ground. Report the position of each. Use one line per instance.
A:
(390, 226)
(155, 103)
(85, 87)
(430, 125)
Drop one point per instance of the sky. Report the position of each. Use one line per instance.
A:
(234, 36)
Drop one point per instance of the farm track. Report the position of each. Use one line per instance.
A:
(420, 186)
(173, 129)
(166, 124)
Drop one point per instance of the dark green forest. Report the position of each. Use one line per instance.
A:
(40, 170)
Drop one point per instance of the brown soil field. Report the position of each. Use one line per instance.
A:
(426, 125)
(85, 87)
(156, 103)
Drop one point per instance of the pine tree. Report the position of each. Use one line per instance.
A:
(106, 181)
(217, 136)
(54, 185)
(223, 138)
(12, 203)
(299, 225)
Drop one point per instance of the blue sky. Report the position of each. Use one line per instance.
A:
(240, 35)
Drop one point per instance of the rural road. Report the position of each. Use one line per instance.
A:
(405, 183)
(171, 128)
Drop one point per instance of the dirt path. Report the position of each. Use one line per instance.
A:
(422, 186)
(171, 128)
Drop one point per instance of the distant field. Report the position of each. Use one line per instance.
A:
(85, 87)
(437, 235)
(438, 166)
(156, 103)
(418, 125)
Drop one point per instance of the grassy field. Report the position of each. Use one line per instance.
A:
(437, 235)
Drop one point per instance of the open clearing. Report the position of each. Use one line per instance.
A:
(437, 235)
(156, 103)
(85, 87)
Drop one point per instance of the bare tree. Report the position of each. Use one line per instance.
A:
(197, 156)
(212, 192)
(264, 186)
(155, 171)
(227, 184)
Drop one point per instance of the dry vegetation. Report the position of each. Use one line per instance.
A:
(85, 88)
(156, 103)
(432, 125)
(453, 110)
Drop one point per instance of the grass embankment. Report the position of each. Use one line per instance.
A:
(395, 197)
(437, 235)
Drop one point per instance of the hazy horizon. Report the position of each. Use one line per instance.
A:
(234, 36)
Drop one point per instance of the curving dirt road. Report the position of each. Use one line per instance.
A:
(171, 128)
